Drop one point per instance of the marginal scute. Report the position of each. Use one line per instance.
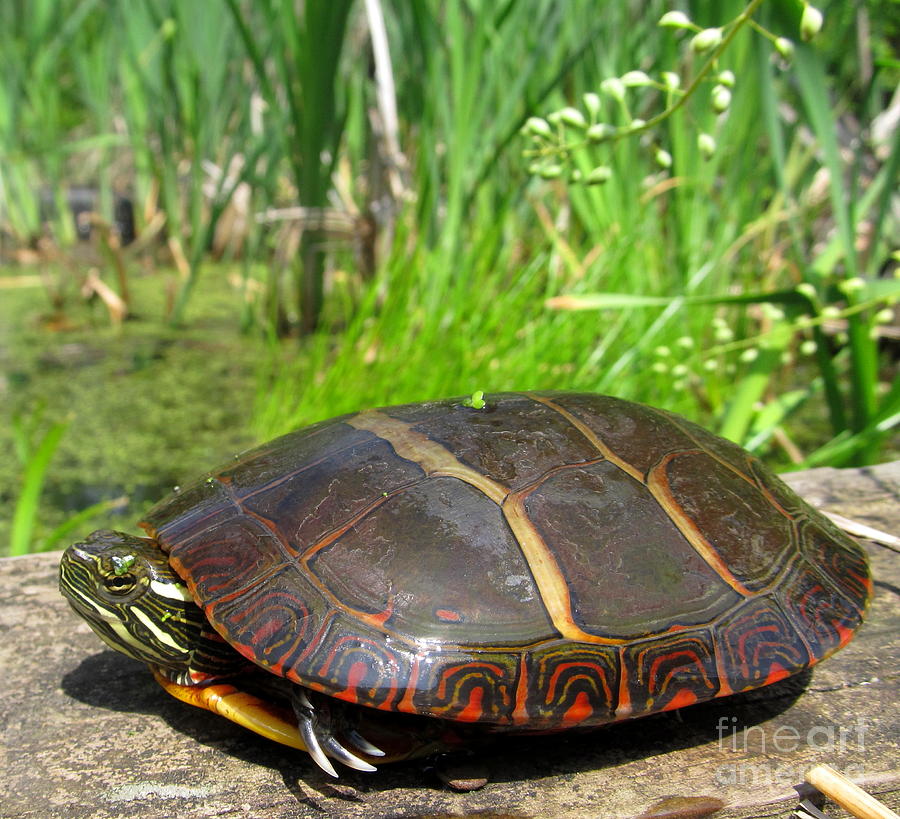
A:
(355, 662)
(581, 682)
(836, 556)
(216, 561)
(820, 613)
(272, 622)
(467, 686)
(759, 644)
(671, 671)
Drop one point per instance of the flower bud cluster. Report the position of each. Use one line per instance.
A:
(570, 131)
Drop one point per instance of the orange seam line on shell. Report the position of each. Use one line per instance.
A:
(659, 488)
(290, 561)
(751, 479)
(290, 475)
(592, 436)
(796, 521)
(624, 706)
(520, 711)
(658, 484)
(436, 459)
(376, 620)
(550, 581)
(724, 683)
(405, 703)
(431, 456)
(539, 481)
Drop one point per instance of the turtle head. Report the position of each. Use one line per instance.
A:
(125, 589)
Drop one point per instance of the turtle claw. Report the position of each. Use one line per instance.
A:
(315, 750)
(316, 729)
(359, 742)
(340, 753)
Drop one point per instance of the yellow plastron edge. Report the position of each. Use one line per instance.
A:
(246, 710)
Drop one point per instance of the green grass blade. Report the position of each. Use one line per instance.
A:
(76, 521)
(27, 504)
(596, 301)
(864, 369)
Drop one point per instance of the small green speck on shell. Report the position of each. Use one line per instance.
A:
(475, 400)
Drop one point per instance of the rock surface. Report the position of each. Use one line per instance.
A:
(88, 733)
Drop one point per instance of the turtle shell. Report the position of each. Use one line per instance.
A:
(552, 560)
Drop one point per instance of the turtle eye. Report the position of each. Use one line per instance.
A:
(119, 583)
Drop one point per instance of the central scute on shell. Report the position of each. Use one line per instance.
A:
(551, 560)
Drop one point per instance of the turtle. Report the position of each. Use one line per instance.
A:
(531, 562)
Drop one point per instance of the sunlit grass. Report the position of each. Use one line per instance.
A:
(463, 304)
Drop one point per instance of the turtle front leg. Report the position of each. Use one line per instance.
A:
(260, 716)
(319, 724)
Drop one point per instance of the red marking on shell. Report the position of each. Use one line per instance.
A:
(680, 700)
(724, 685)
(578, 711)
(355, 676)
(473, 710)
(865, 581)
(653, 676)
(747, 662)
(406, 704)
(520, 712)
(776, 673)
(264, 632)
(448, 615)
(475, 667)
(584, 675)
(623, 707)
(368, 647)
(382, 617)
(846, 633)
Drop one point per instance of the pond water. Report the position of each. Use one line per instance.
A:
(146, 406)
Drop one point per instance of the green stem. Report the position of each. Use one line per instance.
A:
(732, 29)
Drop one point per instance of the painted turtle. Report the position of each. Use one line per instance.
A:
(548, 561)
